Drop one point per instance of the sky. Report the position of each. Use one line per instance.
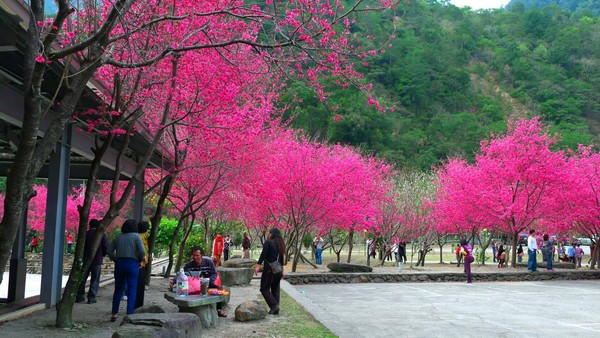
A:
(480, 4)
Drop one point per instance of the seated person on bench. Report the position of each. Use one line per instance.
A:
(206, 268)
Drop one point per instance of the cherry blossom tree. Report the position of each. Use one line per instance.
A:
(305, 187)
(406, 212)
(516, 183)
(583, 197)
(305, 38)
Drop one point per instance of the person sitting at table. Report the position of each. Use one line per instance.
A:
(206, 269)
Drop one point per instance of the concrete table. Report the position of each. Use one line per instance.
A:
(205, 307)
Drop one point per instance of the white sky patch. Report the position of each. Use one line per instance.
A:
(480, 4)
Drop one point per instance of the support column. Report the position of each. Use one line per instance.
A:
(18, 264)
(54, 230)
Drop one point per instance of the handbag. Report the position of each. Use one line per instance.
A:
(276, 267)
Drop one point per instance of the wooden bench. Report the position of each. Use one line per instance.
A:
(205, 307)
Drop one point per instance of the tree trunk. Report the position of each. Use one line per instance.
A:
(594, 255)
(513, 258)
(155, 220)
(296, 256)
(81, 263)
(186, 235)
(172, 246)
(307, 261)
(350, 245)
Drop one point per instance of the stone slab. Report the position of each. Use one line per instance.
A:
(235, 276)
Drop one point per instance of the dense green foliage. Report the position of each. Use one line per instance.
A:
(580, 7)
(166, 232)
(454, 76)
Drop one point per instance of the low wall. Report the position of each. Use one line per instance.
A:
(341, 278)
(34, 263)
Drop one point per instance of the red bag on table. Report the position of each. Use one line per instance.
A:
(194, 285)
(218, 281)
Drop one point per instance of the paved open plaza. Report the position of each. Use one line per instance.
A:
(493, 309)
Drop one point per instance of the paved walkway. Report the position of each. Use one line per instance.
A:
(493, 309)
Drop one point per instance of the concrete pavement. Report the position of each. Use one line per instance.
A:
(492, 309)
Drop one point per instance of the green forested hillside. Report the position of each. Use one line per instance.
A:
(579, 7)
(454, 76)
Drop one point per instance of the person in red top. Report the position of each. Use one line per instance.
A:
(458, 255)
(218, 245)
(34, 243)
(69, 243)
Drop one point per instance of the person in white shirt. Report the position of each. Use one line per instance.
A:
(318, 243)
(532, 251)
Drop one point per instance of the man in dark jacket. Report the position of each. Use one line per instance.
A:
(96, 266)
(205, 267)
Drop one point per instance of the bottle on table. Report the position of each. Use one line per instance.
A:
(182, 284)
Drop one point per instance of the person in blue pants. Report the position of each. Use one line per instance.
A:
(318, 243)
(127, 251)
(532, 251)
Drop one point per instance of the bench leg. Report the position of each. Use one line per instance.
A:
(207, 314)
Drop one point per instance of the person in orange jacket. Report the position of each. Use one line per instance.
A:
(218, 245)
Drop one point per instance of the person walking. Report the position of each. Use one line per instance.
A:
(218, 245)
(402, 251)
(318, 243)
(141, 285)
(458, 255)
(520, 254)
(495, 252)
(96, 267)
(273, 250)
(532, 251)
(388, 252)
(227, 244)
(127, 251)
(578, 255)
(549, 249)
(246, 246)
(374, 249)
(501, 256)
(69, 242)
(467, 252)
(571, 255)
(34, 243)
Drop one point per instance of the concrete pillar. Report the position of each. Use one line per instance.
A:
(18, 264)
(54, 230)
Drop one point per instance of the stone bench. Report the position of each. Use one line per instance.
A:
(205, 307)
(235, 276)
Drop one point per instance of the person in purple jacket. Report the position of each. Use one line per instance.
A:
(467, 251)
(96, 267)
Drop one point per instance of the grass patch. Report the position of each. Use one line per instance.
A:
(294, 321)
